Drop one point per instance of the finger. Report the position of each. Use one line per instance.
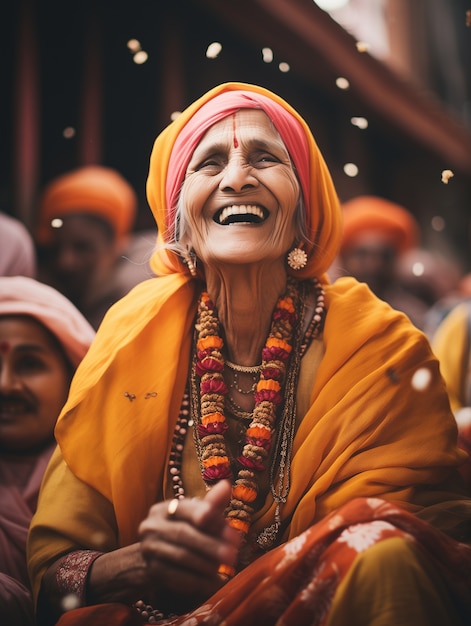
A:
(169, 537)
(210, 516)
(186, 550)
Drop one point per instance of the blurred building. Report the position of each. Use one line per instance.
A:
(384, 84)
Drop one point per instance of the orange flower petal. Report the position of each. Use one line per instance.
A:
(212, 417)
(274, 342)
(259, 432)
(211, 341)
(246, 494)
(215, 460)
(286, 304)
(238, 524)
(272, 385)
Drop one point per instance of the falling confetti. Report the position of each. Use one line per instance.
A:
(421, 379)
(446, 175)
(350, 169)
(134, 45)
(359, 122)
(342, 83)
(213, 50)
(68, 132)
(362, 46)
(267, 55)
(140, 57)
(70, 602)
(463, 417)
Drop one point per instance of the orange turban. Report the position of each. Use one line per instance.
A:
(91, 190)
(166, 172)
(370, 213)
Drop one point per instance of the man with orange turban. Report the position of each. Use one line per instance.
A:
(85, 218)
(376, 232)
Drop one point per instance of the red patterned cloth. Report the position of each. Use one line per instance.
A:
(296, 584)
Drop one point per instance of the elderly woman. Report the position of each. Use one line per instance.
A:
(42, 339)
(246, 443)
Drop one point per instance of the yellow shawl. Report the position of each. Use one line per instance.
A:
(368, 431)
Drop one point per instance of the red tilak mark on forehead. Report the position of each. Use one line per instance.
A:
(4, 347)
(236, 143)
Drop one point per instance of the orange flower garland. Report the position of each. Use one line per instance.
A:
(211, 422)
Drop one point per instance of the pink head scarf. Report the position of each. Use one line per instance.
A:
(21, 295)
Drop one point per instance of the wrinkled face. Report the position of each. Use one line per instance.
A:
(240, 193)
(34, 382)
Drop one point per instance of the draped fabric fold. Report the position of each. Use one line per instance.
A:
(297, 582)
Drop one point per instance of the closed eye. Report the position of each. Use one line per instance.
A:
(263, 158)
(29, 363)
(214, 160)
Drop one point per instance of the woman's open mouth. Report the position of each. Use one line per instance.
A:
(240, 214)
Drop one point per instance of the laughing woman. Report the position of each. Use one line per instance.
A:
(244, 443)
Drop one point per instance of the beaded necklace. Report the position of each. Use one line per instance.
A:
(204, 406)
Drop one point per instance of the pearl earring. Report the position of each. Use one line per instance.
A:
(190, 261)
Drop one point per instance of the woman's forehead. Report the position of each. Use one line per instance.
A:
(243, 125)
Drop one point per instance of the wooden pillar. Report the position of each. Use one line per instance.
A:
(90, 131)
(26, 115)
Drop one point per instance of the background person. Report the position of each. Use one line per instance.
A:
(244, 442)
(17, 249)
(85, 220)
(376, 232)
(42, 339)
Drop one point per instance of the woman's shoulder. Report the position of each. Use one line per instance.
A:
(356, 317)
(348, 296)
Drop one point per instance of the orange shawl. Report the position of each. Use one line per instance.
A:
(367, 432)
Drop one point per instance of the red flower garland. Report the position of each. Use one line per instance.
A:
(268, 396)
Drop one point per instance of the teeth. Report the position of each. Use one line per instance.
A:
(240, 209)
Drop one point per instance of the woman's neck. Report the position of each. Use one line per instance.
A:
(245, 299)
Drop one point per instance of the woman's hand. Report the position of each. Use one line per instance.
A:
(184, 549)
(174, 566)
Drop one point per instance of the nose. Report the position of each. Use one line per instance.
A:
(66, 259)
(237, 176)
(8, 378)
